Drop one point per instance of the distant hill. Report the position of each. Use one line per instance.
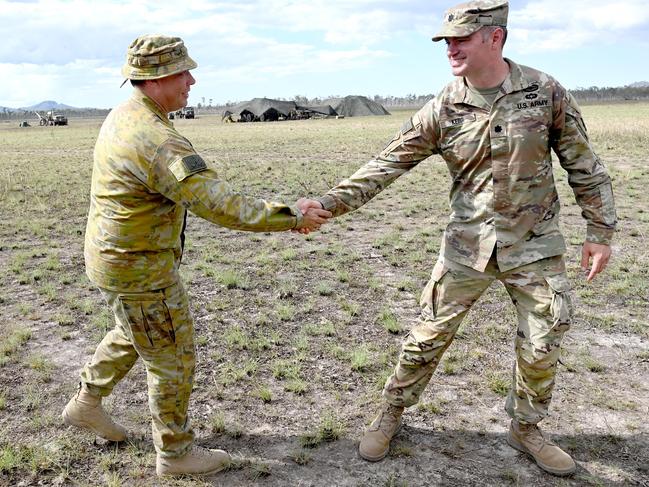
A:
(27, 113)
(49, 105)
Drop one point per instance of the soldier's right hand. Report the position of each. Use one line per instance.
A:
(313, 216)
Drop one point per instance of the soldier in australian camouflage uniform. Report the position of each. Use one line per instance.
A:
(494, 126)
(146, 177)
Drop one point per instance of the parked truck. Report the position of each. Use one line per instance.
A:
(51, 118)
(186, 112)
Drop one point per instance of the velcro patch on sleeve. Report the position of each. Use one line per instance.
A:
(407, 126)
(186, 166)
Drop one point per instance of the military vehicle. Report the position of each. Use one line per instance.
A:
(58, 119)
(187, 112)
(51, 118)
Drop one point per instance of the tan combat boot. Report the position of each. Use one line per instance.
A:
(198, 461)
(375, 443)
(529, 439)
(84, 410)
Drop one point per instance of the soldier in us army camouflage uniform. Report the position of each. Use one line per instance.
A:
(495, 126)
(146, 176)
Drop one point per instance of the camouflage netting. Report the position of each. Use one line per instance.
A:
(323, 110)
(356, 106)
(266, 109)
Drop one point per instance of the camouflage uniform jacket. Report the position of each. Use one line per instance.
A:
(503, 192)
(145, 176)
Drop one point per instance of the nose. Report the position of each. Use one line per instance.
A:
(451, 47)
(191, 79)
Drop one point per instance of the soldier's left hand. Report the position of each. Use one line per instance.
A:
(313, 215)
(600, 254)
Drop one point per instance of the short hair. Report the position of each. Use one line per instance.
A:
(489, 29)
(137, 82)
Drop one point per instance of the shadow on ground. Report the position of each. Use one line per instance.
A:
(421, 457)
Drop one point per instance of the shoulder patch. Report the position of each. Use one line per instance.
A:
(186, 166)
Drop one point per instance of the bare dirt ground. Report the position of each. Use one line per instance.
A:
(292, 334)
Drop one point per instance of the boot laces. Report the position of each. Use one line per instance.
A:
(388, 420)
(534, 435)
(203, 452)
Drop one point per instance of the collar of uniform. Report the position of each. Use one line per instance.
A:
(140, 97)
(458, 93)
(515, 81)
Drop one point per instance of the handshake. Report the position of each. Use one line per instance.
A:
(313, 216)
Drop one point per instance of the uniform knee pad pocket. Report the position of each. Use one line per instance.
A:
(429, 296)
(149, 320)
(561, 305)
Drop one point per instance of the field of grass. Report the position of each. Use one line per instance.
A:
(296, 335)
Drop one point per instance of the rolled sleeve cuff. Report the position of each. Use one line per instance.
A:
(298, 216)
(600, 235)
(328, 202)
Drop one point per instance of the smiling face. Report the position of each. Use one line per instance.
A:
(478, 57)
(172, 92)
(468, 55)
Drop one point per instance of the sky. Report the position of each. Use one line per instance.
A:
(71, 51)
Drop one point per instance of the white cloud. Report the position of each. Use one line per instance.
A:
(28, 83)
(66, 49)
(264, 35)
(618, 16)
(560, 25)
(289, 62)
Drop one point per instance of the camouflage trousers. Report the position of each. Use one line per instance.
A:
(541, 294)
(157, 327)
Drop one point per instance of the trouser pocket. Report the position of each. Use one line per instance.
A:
(561, 305)
(430, 295)
(148, 318)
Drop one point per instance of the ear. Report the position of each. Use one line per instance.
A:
(497, 37)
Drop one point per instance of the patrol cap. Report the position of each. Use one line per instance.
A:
(466, 18)
(155, 56)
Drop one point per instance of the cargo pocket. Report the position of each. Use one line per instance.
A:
(430, 295)
(561, 305)
(147, 316)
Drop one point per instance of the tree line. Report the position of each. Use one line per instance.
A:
(593, 94)
(407, 101)
(31, 117)
(602, 94)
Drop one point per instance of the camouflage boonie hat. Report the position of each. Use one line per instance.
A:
(466, 18)
(154, 56)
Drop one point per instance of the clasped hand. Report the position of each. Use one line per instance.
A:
(313, 216)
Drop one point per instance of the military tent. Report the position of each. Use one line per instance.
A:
(356, 106)
(323, 110)
(266, 109)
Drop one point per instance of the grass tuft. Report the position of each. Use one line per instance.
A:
(389, 321)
